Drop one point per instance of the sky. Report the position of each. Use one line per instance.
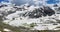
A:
(52, 1)
(49, 1)
(24, 1)
(4, 0)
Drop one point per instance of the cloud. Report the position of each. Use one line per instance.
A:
(20, 2)
(32, 2)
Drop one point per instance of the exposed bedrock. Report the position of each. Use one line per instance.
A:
(41, 12)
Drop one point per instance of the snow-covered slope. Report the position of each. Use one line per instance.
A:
(33, 17)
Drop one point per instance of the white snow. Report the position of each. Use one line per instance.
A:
(43, 23)
(7, 30)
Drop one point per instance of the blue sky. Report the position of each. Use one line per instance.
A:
(1, 0)
(52, 1)
(49, 1)
(4, 0)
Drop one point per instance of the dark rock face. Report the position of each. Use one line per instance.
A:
(59, 8)
(55, 5)
(48, 11)
(3, 5)
(10, 12)
(41, 12)
(35, 14)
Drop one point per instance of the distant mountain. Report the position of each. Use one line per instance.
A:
(45, 17)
